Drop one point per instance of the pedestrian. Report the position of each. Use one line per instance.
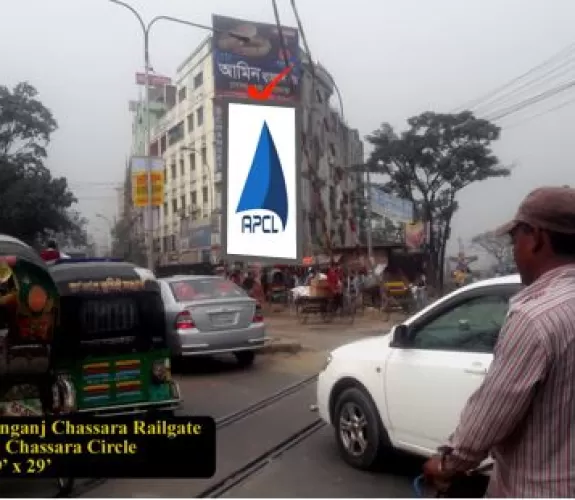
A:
(335, 286)
(523, 414)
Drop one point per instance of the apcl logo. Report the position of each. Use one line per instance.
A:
(264, 190)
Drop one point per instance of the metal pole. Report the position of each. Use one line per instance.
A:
(369, 235)
(150, 208)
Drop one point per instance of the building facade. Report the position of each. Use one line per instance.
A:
(183, 134)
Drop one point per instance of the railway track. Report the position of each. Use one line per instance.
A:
(248, 470)
(242, 473)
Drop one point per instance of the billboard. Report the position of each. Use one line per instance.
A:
(261, 212)
(238, 64)
(391, 207)
(194, 238)
(153, 80)
(139, 171)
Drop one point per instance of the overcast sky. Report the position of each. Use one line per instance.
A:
(391, 60)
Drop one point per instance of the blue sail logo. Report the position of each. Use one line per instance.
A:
(265, 188)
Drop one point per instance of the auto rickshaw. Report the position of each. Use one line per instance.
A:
(112, 338)
(29, 312)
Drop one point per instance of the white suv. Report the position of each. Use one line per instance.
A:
(406, 389)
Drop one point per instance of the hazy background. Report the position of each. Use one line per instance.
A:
(391, 60)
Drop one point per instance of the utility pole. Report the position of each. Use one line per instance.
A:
(368, 233)
(146, 32)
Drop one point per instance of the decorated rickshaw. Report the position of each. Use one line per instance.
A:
(29, 312)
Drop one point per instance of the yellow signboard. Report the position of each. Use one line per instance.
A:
(140, 181)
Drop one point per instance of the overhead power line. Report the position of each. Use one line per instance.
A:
(550, 76)
(498, 115)
(545, 64)
(538, 115)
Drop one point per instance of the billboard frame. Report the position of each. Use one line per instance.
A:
(225, 102)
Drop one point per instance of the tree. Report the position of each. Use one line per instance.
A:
(77, 235)
(429, 163)
(496, 246)
(33, 204)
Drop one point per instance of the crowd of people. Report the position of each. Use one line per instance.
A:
(268, 285)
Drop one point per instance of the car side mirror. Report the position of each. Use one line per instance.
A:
(401, 336)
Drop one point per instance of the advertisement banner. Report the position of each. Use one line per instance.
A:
(139, 168)
(415, 235)
(261, 212)
(391, 207)
(218, 137)
(238, 64)
(153, 80)
(195, 238)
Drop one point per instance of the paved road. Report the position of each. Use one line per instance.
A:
(313, 469)
(214, 387)
(219, 388)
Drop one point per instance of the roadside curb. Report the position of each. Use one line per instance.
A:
(283, 346)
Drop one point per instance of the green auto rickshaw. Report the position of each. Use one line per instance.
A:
(29, 312)
(112, 339)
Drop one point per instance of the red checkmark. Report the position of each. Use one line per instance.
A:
(265, 94)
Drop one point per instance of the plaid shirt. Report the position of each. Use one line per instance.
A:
(524, 411)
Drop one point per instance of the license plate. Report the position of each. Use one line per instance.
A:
(223, 319)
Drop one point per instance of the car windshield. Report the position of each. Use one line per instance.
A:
(208, 288)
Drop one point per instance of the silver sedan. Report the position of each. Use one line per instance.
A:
(208, 315)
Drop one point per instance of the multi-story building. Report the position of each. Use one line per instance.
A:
(189, 225)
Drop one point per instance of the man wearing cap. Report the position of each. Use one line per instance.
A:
(523, 414)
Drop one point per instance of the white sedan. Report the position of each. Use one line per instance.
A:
(406, 389)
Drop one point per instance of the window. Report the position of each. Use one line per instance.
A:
(198, 80)
(190, 122)
(205, 195)
(182, 94)
(471, 326)
(194, 198)
(173, 170)
(183, 202)
(165, 209)
(200, 116)
(204, 153)
(205, 288)
(163, 145)
(176, 133)
(205, 256)
(318, 96)
(182, 167)
(192, 161)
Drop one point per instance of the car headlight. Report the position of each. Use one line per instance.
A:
(327, 362)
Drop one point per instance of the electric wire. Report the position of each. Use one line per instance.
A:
(538, 115)
(498, 115)
(550, 76)
(543, 65)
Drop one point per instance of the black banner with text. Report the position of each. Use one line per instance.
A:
(110, 447)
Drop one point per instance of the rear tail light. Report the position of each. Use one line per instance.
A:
(161, 371)
(184, 321)
(258, 316)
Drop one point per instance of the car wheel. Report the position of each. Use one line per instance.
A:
(358, 431)
(245, 358)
